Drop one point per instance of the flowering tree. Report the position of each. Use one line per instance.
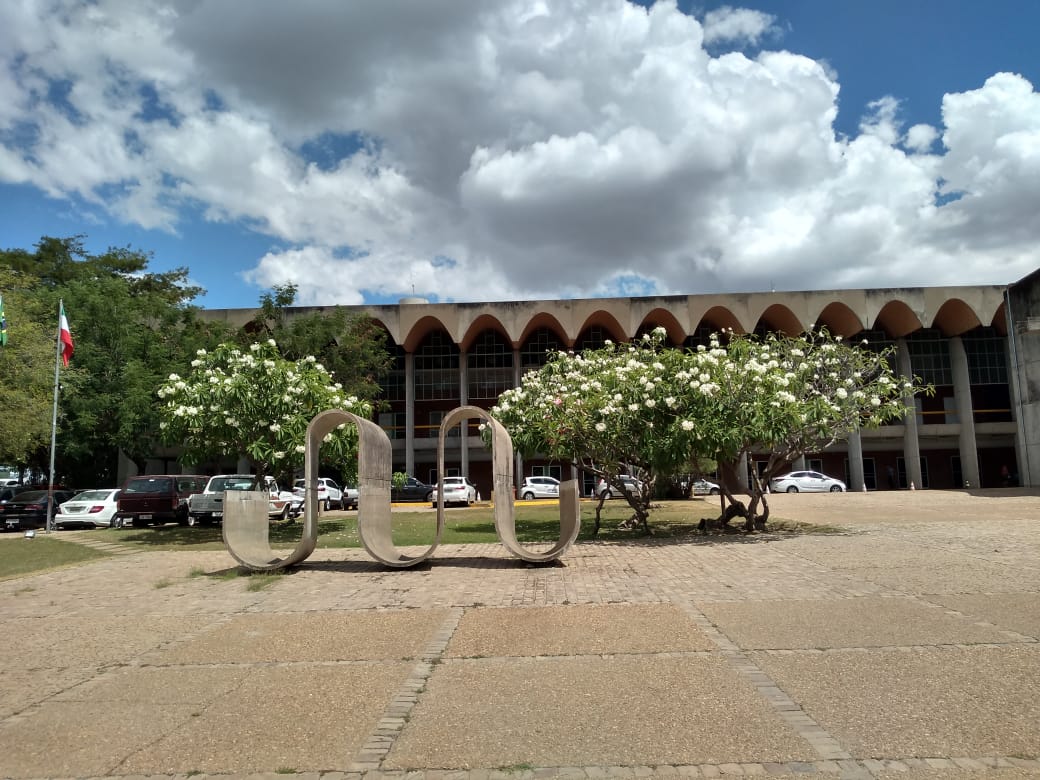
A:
(254, 402)
(611, 411)
(647, 410)
(786, 396)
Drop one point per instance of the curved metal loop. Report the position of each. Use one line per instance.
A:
(502, 489)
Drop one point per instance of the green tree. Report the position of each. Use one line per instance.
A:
(131, 329)
(26, 371)
(254, 402)
(351, 346)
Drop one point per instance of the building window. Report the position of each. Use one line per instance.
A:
(437, 368)
(987, 364)
(593, 337)
(393, 381)
(434, 428)
(535, 352)
(930, 357)
(489, 366)
(393, 423)
(547, 471)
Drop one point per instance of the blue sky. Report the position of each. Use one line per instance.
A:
(488, 151)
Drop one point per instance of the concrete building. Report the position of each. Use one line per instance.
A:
(979, 346)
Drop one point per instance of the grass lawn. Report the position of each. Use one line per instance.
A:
(19, 555)
(534, 522)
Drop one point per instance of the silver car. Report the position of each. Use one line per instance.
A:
(806, 482)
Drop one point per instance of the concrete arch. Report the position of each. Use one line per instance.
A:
(778, 318)
(999, 321)
(478, 326)
(545, 320)
(955, 317)
(897, 320)
(421, 329)
(665, 319)
(839, 319)
(603, 319)
(719, 318)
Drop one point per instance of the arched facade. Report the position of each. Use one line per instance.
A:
(449, 354)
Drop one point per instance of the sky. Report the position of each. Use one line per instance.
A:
(484, 150)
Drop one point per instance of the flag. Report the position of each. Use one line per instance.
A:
(66, 337)
(3, 324)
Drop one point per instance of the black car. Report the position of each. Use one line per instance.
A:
(412, 490)
(10, 491)
(29, 509)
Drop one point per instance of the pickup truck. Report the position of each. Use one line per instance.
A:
(208, 506)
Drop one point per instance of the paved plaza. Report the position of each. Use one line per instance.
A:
(906, 645)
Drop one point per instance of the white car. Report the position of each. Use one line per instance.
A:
(539, 487)
(632, 485)
(89, 508)
(457, 490)
(329, 493)
(806, 482)
(702, 487)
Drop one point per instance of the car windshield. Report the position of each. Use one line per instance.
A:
(92, 495)
(159, 485)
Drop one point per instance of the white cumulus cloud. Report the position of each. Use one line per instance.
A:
(514, 149)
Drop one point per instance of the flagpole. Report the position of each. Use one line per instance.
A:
(54, 421)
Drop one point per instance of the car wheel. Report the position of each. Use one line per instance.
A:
(285, 512)
(792, 489)
(429, 496)
(714, 491)
(835, 488)
(117, 522)
(192, 521)
(325, 506)
(528, 496)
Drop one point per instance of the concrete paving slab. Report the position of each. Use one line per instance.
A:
(865, 622)
(80, 739)
(101, 639)
(297, 719)
(957, 774)
(21, 688)
(624, 710)
(1013, 611)
(923, 579)
(158, 685)
(576, 630)
(955, 701)
(309, 636)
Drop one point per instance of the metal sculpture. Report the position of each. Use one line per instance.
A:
(247, 530)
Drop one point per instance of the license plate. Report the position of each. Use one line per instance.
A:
(218, 514)
(146, 517)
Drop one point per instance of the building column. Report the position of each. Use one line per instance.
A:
(911, 443)
(463, 400)
(409, 413)
(798, 464)
(856, 477)
(242, 465)
(962, 396)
